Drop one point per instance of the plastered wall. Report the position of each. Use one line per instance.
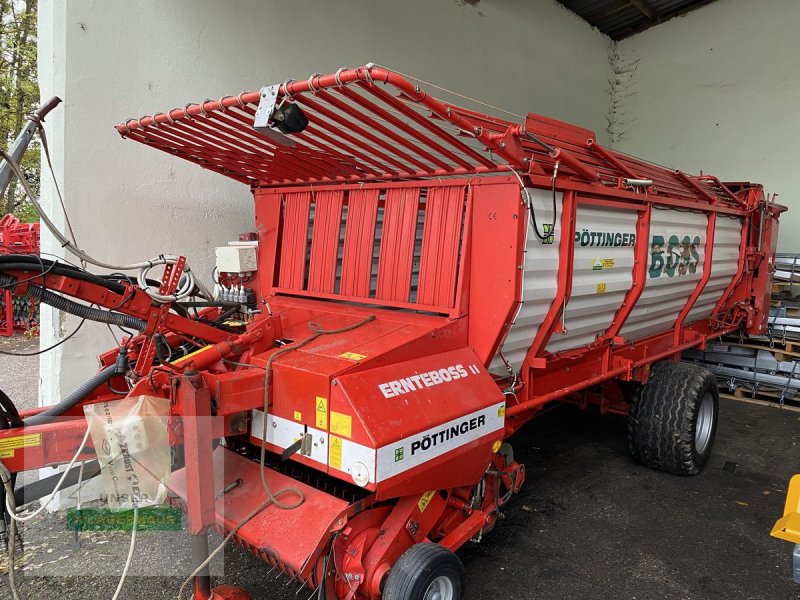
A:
(114, 59)
(718, 90)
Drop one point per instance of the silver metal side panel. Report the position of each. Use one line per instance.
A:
(602, 274)
(539, 282)
(677, 259)
(724, 265)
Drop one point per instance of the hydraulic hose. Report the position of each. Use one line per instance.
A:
(20, 262)
(72, 400)
(75, 308)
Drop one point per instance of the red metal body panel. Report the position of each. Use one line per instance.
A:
(325, 241)
(441, 242)
(266, 534)
(397, 244)
(359, 241)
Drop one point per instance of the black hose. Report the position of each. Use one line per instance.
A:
(75, 308)
(10, 414)
(95, 381)
(16, 262)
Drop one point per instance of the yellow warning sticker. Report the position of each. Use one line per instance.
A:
(335, 455)
(598, 264)
(298, 416)
(10, 444)
(501, 411)
(601, 288)
(425, 500)
(322, 413)
(341, 424)
(353, 356)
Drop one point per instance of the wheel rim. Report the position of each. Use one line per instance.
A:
(705, 423)
(440, 588)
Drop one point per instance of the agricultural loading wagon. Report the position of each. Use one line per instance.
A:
(421, 280)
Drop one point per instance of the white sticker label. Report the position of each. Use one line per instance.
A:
(422, 447)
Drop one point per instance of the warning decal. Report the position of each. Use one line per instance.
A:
(341, 424)
(321, 421)
(9, 445)
(598, 264)
(425, 500)
(335, 458)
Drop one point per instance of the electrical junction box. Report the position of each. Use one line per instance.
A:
(236, 259)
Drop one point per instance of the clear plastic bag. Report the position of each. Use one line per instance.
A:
(132, 445)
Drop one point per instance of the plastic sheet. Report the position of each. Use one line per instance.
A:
(132, 445)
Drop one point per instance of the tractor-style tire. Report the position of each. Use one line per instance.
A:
(425, 572)
(673, 419)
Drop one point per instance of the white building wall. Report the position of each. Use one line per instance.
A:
(718, 90)
(114, 59)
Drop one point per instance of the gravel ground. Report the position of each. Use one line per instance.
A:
(589, 523)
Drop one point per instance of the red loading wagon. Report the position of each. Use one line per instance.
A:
(428, 278)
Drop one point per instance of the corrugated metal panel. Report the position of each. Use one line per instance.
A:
(539, 284)
(602, 274)
(724, 265)
(673, 275)
(621, 18)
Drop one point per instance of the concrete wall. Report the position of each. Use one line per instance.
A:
(718, 90)
(114, 59)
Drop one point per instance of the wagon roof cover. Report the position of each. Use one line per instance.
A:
(373, 124)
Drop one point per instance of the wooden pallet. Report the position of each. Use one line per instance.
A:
(764, 397)
(779, 286)
(789, 350)
(772, 403)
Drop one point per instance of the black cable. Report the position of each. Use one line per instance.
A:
(239, 364)
(546, 236)
(19, 281)
(38, 352)
(20, 262)
(116, 391)
(10, 410)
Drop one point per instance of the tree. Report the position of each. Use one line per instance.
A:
(19, 95)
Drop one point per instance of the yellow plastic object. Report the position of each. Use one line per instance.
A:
(788, 527)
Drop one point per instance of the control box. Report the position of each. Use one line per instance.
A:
(236, 259)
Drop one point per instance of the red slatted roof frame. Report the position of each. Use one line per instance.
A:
(373, 124)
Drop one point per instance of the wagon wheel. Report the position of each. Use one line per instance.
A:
(425, 572)
(673, 420)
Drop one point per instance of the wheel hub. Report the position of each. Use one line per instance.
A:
(705, 423)
(440, 588)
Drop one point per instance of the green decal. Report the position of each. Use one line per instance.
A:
(548, 233)
(682, 256)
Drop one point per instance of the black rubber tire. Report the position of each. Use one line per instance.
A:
(664, 416)
(418, 567)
